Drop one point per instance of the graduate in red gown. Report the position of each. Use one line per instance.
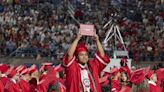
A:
(115, 85)
(44, 68)
(34, 73)
(138, 80)
(3, 77)
(50, 77)
(153, 86)
(23, 80)
(11, 85)
(125, 84)
(82, 74)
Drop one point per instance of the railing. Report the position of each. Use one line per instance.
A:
(32, 52)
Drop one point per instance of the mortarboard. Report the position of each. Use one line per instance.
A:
(137, 76)
(20, 68)
(24, 71)
(3, 68)
(123, 69)
(80, 47)
(50, 78)
(45, 66)
(11, 72)
(114, 71)
(126, 70)
(32, 69)
(149, 74)
(58, 68)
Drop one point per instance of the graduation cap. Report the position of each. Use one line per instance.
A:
(11, 72)
(138, 75)
(20, 68)
(150, 73)
(114, 71)
(123, 69)
(32, 69)
(58, 68)
(47, 63)
(24, 71)
(3, 68)
(126, 70)
(80, 47)
(45, 66)
(51, 77)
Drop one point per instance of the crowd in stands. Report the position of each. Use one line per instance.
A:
(47, 29)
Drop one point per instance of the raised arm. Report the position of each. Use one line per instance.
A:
(73, 46)
(99, 46)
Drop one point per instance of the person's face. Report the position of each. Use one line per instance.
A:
(154, 77)
(83, 57)
(27, 77)
(16, 77)
(36, 74)
(118, 74)
(124, 77)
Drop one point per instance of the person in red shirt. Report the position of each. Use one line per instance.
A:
(82, 74)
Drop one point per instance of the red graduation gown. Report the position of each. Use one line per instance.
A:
(49, 78)
(42, 87)
(1, 86)
(42, 77)
(73, 76)
(24, 85)
(125, 89)
(4, 80)
(153, 87)
(12, 87)
(33, 85)
(115, 86)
